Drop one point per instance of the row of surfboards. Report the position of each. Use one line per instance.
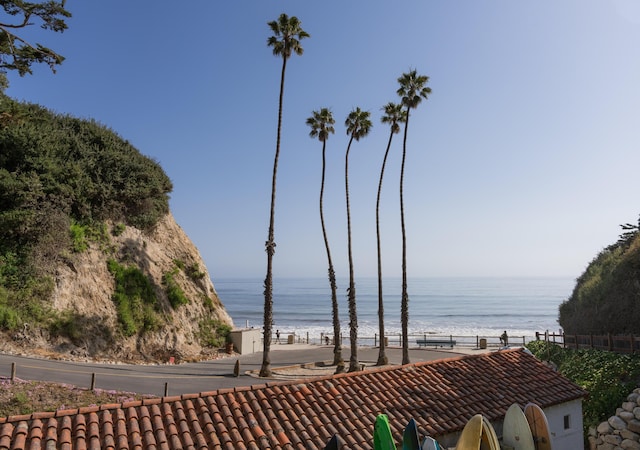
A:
(526, 429)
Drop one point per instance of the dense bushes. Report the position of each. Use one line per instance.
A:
(77, 165)
(606, 297)
(609, 377)
(213, 333)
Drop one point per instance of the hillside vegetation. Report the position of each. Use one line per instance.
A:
(608, 377)
(89, 253)
(606, 298)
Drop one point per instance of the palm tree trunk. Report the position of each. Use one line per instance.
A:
(351, 291)
(337, 347)
(404, 306)
(270, 245)
(382, 356)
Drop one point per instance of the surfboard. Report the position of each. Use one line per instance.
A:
(539, 426)
(410, 439)
(382, 437)
(333, 444)
(478, 434)
(489, 440)
(471, 434)
(515, 429)
(430, 443)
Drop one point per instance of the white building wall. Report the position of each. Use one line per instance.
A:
(566, 438)
(247, 340)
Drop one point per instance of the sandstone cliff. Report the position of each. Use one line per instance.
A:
(84, 290)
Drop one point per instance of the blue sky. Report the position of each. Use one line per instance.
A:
(522, 162)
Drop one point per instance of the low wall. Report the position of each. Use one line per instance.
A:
(621, 431)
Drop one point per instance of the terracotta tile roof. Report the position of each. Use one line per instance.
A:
(441, 395)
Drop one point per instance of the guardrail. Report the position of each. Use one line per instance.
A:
(395, 340)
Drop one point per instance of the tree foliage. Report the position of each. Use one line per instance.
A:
(16, 53)
(60, 177)
(606, 297)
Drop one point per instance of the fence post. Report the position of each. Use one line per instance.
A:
(13, 372)
(93, 381)
(166, 389)
(610, 341)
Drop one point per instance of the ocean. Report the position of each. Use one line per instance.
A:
(441, 306)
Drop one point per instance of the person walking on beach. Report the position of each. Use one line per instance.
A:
(277, 336)
(504, 338)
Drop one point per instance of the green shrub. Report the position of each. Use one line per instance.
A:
(66, 324)
(118, 229)
(194, 272)
(78, 238)
(135, 300)
(174, 291)
(9, 318)
(213, 333)
(608, 377)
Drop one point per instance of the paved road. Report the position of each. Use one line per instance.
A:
(188, 377)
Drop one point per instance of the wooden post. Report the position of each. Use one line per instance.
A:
(166, 389)
(13, 372)
(236, 369)
(93, 381)
(610, 341)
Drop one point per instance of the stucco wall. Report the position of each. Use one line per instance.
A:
(570, 437)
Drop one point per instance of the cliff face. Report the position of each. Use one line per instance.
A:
(84, 289)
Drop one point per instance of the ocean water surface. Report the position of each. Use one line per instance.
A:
(444, 306)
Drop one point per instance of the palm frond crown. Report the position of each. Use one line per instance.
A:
(413, 88)
(358, 123)
(394, 115)
(287, 34)
(321, 123)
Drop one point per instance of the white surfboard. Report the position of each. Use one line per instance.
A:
(515, 429)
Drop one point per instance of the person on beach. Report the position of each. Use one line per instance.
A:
(277, 336)
(504, 338)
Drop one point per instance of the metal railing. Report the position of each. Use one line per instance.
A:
(395, 340)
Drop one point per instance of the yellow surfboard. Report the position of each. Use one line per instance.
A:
(478, 434)
(539, 426)
(515, 429)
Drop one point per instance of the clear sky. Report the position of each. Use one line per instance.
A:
(523, 161)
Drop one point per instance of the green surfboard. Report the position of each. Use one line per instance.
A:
(382, 438)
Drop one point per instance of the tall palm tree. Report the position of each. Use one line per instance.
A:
(412, 90)
(393, 115)
(321, 123)
(287, 34)
(358, 126)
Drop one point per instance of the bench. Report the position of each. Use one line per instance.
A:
(435, 342)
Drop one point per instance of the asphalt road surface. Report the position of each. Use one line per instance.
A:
(188, 377)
